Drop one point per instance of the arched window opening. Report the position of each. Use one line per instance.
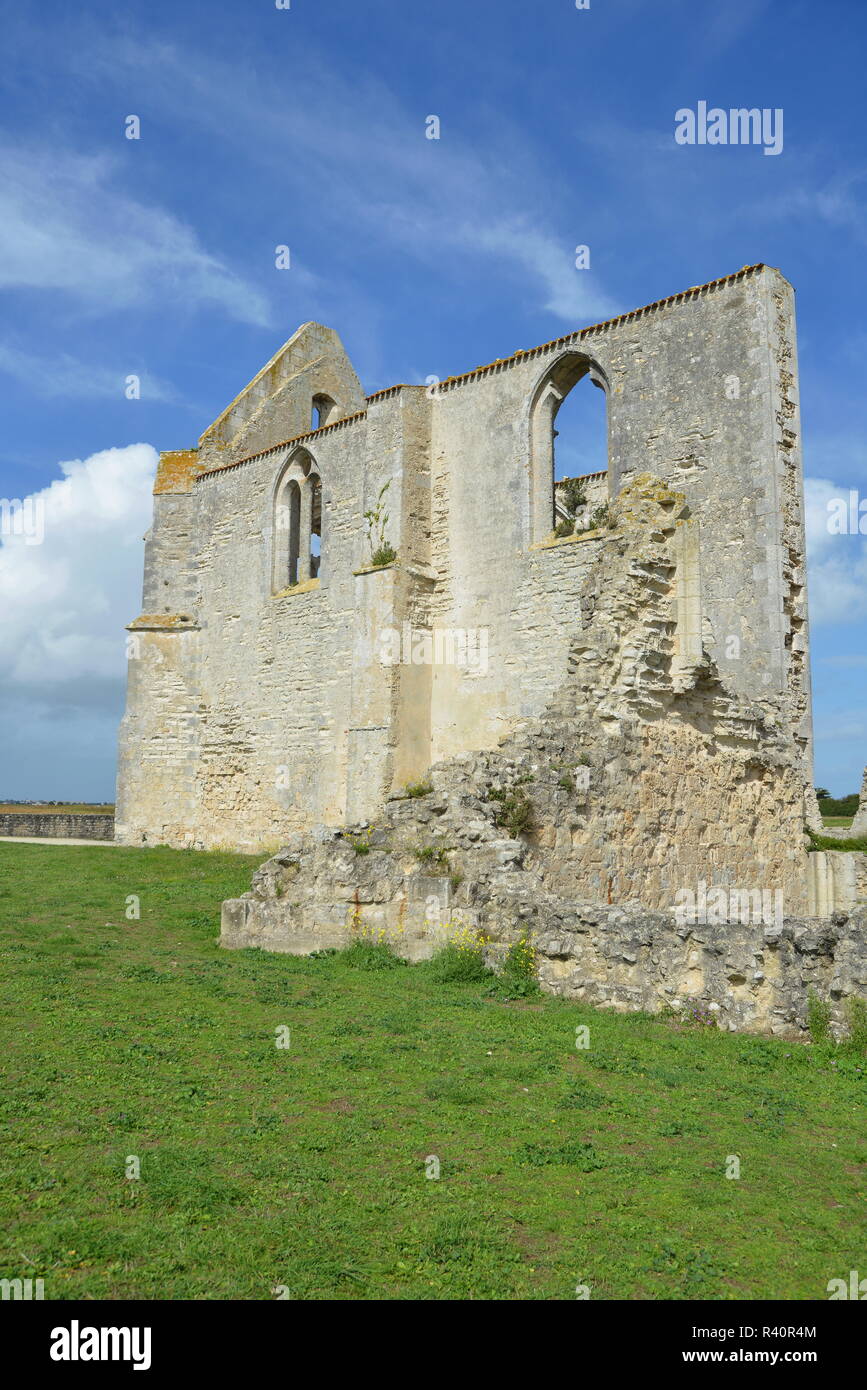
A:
(581, 433)
(287, 529)
(569, 448)
(322, 411)
(315, 484)
(297, 542)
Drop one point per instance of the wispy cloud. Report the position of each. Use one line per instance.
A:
(360, 161)
(847, 661)
(67, 226)
(846, 727)
(62, 375)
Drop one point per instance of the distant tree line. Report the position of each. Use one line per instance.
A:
(836, 806)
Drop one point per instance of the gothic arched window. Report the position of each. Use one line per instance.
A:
(297, 528)
(569, 481)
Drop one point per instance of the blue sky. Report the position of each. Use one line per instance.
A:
(306, 127)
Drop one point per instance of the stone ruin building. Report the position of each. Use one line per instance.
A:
(380, 642)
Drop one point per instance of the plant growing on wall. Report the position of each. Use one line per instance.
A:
(382, 552)
(514, 811)
(602, 516)
(572, 495)
(431, 854)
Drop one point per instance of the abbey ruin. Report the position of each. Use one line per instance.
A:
(380, 642)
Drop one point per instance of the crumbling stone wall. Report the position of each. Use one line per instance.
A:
(644, 776)
(859, 824)
(672, 648)
(644, 780)
(321, 892)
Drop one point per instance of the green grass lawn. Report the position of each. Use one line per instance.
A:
(305, 1167)
(858, 845)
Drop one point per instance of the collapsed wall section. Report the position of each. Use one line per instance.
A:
(646, 790)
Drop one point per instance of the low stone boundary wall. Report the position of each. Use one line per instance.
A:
(32, 825)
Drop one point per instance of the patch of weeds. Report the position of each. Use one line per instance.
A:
(621, 1065)
(759, 1055)
(458, 1240)
(517, 978)
(416, 789)
(145, 973)
(433, 854)
(699, 1015)
(669, 1078)
(565, 528)
(514, 812)
(572, 495)
(271, 992)
(602, 516)
(370, 955)
(382, 551)
(461, 960)
(695, 1268)
(772, 1112)
(856, 1015)
(580, 1097)
(818, 842)
(384, 555)
(184, 1181)
(677, 1128)
(572, 1153)
(402, 1024)
(818, 1017)
(455, 1092)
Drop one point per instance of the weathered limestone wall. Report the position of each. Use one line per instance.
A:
(230, 687)
(644, 783)
(837, 881)
(253, 713)
(700, 393)
(31, 824)
(755, 977)
(859, 824)
(755, 974)
(277, 404)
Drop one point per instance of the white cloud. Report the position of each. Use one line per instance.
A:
(65, 226)
(66, 601)
(572, 294)
(836, 565)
